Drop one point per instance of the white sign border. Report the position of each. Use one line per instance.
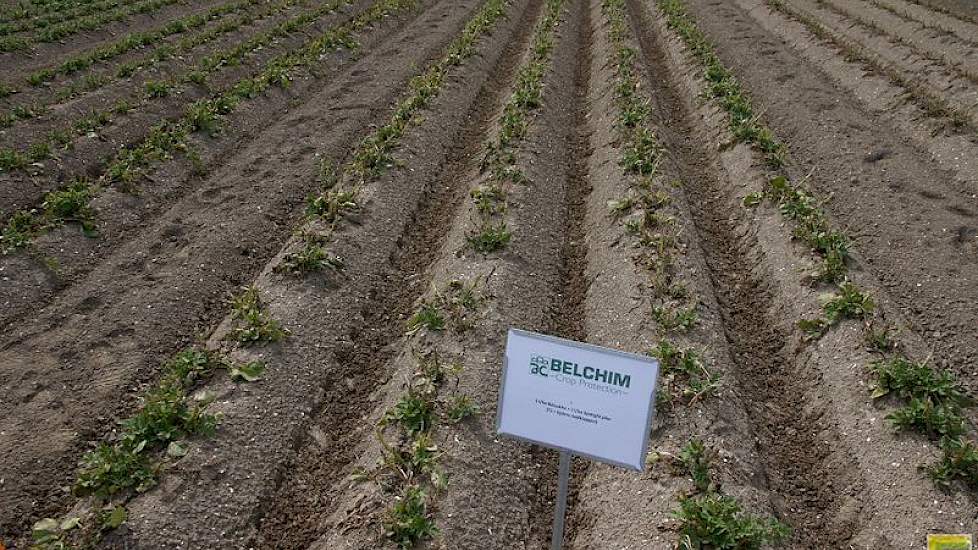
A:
(650, 414)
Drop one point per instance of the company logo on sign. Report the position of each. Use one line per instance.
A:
(567, 371)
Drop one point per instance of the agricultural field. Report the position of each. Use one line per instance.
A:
(259, 257)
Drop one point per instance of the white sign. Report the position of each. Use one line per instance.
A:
(584, 399)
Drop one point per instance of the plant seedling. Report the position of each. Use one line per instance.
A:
(49, 533)
(155, 89)
(620, 207)
(311, 257)
(719, 522)
(696, 461)
(908, 379)
(490, 238)
(880, 339)
(490, 200)
(937, 420)
(687, 362)
(332, 205)
(460, 408)
(71, 205)
(408, 521)
(251, 323)
(428, 316)
(415, 412)
(683, 318)
(460, 300)
(959, 462)
(849, 304)
(640, 155)
(18, 232)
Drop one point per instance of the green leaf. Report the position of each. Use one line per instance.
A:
(70, 523)
(753, 199)
(176, 449)
(879, 391)
(249, 372)
(116, 517)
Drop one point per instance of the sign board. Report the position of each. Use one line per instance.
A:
(578, 398)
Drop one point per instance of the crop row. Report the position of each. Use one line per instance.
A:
(36, 8)
(940, 55)
(409, 467)
(162, 53)
(931, 401)
(130, 42)
(131, 460)
(408, 520)
(499, 161)
(11, 159)
(930, 25)
(169, 137)
(708, 518)
(88, 23)
(932, 103)
(48, 19)
(642, 214)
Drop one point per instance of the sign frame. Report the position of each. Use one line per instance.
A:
(649, 415)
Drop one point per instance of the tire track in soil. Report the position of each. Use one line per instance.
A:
(791, 433)
(80, 361)
(568, 311)
(290, 521)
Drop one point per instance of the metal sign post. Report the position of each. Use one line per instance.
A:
(579, 399)
(563, 479)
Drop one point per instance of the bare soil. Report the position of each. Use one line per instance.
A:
(88, 321)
